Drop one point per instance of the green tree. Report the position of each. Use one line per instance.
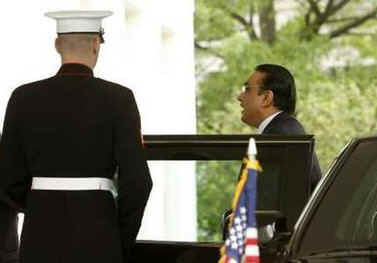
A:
(327, 44)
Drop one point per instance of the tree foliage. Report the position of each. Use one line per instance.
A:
(327, 44)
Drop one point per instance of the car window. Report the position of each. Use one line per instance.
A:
(361, 211)
(195, 177)
(347, 215)
(216, 182)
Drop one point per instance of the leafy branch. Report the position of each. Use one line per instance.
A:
(315, 18)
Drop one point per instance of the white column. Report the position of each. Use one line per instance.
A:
(160, 48)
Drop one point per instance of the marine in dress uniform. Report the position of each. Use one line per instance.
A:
(64, 138)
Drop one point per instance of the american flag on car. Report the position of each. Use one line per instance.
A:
(241, 245)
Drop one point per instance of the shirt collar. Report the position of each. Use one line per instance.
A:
(266, 121)
(75, 69)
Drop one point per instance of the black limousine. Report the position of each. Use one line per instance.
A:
(336, 223)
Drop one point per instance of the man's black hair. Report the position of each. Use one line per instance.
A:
(281, 82)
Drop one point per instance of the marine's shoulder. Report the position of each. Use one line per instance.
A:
(30, 87)
(112, 85)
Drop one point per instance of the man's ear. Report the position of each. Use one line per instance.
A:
(57, 45)
(96, 45)
(268, 98)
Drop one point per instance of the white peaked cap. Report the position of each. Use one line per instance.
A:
(78, 21)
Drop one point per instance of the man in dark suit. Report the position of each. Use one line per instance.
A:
(269, 102)
(63, 140)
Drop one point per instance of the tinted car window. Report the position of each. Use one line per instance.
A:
(347, 215)
(215, 162)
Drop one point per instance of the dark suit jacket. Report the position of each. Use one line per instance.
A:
(285, 124)
(75, 125)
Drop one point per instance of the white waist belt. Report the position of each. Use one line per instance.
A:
(73, 184)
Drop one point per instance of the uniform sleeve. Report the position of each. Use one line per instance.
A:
(15, 179)
(8, 234)
(134, 181)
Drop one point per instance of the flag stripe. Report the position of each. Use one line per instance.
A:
(252, 251)
(251, 241)
(252, 232)
(251, 259)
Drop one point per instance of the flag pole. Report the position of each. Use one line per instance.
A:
(252, 149)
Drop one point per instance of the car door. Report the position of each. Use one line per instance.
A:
(340, 222)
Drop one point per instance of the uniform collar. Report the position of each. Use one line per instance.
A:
(75, 69)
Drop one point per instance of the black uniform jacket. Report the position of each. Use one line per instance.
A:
(8, 234)
(285, 124)
(75, 125)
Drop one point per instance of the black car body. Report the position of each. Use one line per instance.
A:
(337, 223)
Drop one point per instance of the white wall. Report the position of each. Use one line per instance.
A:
(149, 48)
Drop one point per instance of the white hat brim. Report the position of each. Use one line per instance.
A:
(78, 14)
(78, 21)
